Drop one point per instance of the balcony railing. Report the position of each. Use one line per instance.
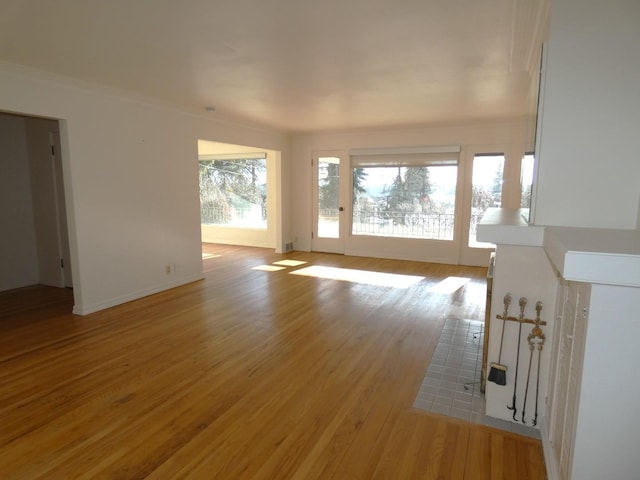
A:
(252, 217)
(386, 223)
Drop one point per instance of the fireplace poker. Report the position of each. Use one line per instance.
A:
(540, 345)
(532, 347)
(523, 304)
(536, 337)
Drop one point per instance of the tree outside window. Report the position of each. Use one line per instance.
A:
(404, 201)
(234, 192)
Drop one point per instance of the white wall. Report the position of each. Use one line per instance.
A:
(18, 253)
(131, 182)
(522, 271)
(608, 424)
(507, 137)
(589, 160)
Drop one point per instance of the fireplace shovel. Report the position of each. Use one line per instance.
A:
(498, 372)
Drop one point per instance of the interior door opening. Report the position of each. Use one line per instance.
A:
(33, 209)
(238, 195)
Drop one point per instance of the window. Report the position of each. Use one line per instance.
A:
(233, 190)
(526, 180)
(409, 196)
(486, 190)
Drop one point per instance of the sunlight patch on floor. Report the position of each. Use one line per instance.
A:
(268, 268)
(210, 255)
(360, 276)
(289, 263)
(450, 284)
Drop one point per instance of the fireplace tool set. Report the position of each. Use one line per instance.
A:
(535, 341)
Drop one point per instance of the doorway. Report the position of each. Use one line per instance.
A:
(483, 191)
(33, 207)
(330, 192)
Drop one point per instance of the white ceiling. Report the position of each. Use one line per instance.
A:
(296, 65)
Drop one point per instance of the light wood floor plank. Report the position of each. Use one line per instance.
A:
(245, 375)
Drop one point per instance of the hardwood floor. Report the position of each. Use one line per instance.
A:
(247, 374)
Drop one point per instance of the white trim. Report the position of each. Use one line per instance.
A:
(404, 160)
(233, 156)
(85, 310)
(537, 148)
(404, 150)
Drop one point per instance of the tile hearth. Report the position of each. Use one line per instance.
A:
(451, 385)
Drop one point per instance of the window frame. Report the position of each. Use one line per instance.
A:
(406, 158)
(239, 157)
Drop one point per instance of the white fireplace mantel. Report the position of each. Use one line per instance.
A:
(591, 255)
(505, 226)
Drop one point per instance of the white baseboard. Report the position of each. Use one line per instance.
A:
(87, 309)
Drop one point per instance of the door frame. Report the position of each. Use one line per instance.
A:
(61, 210)
(324, 244)
(479, 256)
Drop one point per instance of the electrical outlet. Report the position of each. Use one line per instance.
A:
(167, 269)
